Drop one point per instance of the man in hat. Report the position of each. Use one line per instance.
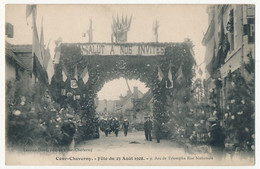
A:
(125, 126)
(148, 129)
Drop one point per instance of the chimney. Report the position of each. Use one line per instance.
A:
(121, 97)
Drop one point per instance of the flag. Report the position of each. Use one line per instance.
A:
(120, 28)
(47, 57)
(36, 48)
(64, 76)
(64, 73)
(129, 23)
(49, 67)
(9, 30)
(169, 81)
(30, 10)
(76, 73)
(179, 75)
(85, 75)
(160, 74)
(42, 43)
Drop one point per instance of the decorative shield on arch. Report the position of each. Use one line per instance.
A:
(73, 84)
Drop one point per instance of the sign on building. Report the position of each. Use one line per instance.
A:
(121, 49)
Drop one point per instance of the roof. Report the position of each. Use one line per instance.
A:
(147, 96)
(20, 54)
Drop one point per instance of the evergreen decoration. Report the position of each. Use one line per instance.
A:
(239, 116)
(102, 69)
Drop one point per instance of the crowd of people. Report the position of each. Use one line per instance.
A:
(110, 125)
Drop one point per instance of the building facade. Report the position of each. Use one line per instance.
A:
(230, 45)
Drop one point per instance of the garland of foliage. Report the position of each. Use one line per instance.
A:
(102, 69)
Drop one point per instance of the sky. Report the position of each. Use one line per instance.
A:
(176, 22)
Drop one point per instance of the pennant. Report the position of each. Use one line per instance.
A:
(49, 67)
(85, 75)
(160, 74)
(169, 81)
(76, 73)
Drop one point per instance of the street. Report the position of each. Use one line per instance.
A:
(134, 143)
(132, 149)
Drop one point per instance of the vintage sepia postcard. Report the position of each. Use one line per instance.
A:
(130, 85)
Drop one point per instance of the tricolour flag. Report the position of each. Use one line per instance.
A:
(85, 75)
(179, 75)
(36, 48)
(64, 76)
(169, 81)
(49, 67)
(160, 74)
(47, 57)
